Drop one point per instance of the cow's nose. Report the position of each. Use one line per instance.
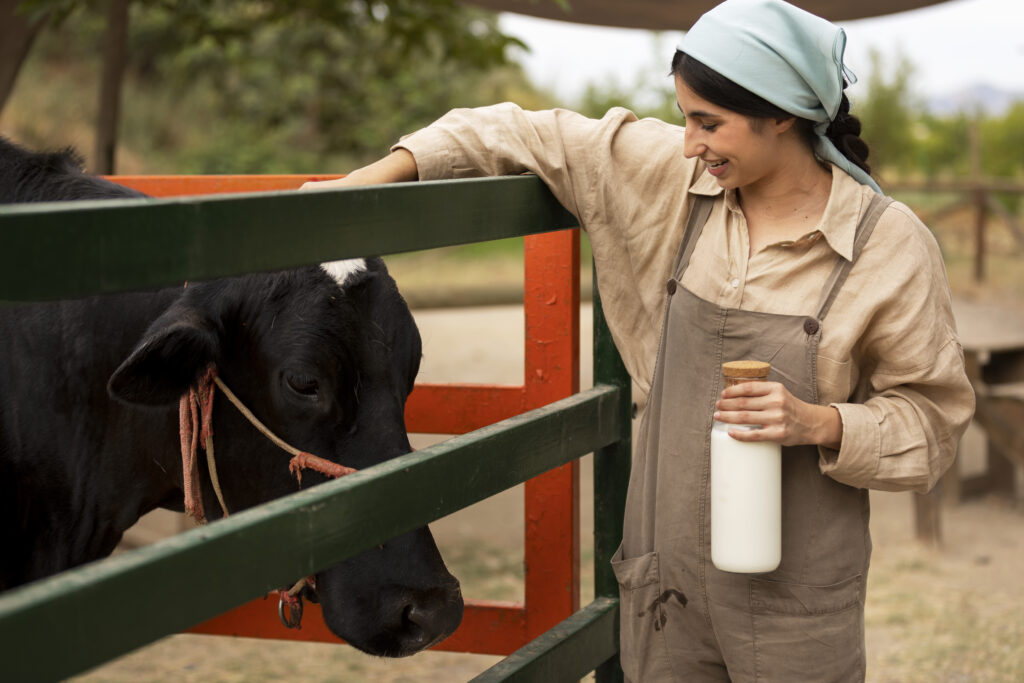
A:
(428, 617)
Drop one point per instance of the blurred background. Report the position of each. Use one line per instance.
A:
(312, 86)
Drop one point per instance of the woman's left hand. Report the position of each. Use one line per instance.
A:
(785, 419)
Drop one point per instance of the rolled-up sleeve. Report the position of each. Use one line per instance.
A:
(563, 148)
(902, 428)
(905, 436)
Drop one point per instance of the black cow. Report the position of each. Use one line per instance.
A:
(89, 427)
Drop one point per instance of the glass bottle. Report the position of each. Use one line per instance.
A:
(746, 490)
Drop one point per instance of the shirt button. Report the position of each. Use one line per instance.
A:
(735, 283)
(811, 326)
(671, 287)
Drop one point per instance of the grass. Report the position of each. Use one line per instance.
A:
(956, 632)
(487, 571)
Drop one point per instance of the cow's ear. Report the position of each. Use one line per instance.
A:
(172, 355)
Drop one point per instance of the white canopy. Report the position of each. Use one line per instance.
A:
(673, 15)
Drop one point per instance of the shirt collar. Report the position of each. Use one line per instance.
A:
(838, 222)
(842, 213)
(706, 184)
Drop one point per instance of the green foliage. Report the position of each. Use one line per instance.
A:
(332, 79)
(55, 10)
(907, 140)
(597, 100)
(942, 148)
(651, 94)
(1002, 142)
(243, 86)
(887, 112)
(319, 85)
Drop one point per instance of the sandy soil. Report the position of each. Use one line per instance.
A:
(954, 613)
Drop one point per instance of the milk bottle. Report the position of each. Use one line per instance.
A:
(746, 490)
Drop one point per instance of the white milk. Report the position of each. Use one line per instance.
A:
(746, 503)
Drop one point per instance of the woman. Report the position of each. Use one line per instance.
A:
(755, 232)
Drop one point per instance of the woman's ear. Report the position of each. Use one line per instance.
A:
(783, 125)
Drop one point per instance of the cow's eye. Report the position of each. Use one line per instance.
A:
(303, 385)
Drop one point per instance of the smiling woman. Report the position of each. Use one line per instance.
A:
(698, 79)
(755, 233)
(741, 150)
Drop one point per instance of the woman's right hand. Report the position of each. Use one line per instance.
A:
(397, 167)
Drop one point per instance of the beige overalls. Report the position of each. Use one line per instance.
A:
(682, 619)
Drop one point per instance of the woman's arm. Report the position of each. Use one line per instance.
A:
(900, 428)
(397, 167)
(566, 150)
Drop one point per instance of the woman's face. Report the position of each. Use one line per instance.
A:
(736, 154)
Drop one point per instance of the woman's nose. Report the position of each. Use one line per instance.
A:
(692, 144)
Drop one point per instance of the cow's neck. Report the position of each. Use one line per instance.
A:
(78, 478)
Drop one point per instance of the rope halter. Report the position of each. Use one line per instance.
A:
(195, 424)
(195, 415)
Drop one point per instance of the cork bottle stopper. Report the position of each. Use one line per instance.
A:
(738, 371)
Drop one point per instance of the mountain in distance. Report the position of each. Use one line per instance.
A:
(982, 97)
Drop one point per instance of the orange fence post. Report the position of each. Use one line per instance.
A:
(551, 302)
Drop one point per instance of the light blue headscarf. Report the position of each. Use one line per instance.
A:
(785, 55)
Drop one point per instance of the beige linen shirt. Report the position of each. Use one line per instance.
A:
(889, 358)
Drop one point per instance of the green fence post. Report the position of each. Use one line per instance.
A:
(611, 474)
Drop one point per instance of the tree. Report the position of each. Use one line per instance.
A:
(943, 145)
(109, 115)
(651, 92)
(887, 114)
(19, 27)
(1002, 142)
(266, 61)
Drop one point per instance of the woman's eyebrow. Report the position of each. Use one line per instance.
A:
(696, 114)
(702, 114)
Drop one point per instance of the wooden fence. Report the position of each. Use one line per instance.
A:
(94, 613)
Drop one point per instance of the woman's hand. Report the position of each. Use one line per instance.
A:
(785, 419)
(327, 184)
(397, 167)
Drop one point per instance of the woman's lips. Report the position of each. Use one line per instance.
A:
(717, 168)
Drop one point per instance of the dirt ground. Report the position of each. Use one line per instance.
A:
(948, 614)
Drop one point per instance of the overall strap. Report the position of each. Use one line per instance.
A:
(842, 269)
(699, 213)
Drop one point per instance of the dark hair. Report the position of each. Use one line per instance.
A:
(844, 131)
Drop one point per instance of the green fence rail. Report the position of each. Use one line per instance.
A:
(96, 612)
(70, 249)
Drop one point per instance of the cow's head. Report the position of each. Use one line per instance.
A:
(326, 358)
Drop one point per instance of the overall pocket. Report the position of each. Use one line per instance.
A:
(642, 645)
(808, 633)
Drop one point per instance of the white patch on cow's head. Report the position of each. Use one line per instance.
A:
(343, 270)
